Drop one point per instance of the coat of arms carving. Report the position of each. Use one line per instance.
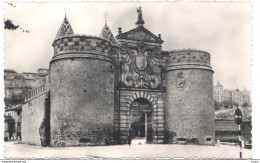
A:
(181, 82)
(140, 66)
(141, 61)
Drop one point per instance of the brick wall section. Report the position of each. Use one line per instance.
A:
(246, 128)
(127, 96)
(190, 107)
(33, 113)
(82, 99)
(227, 130)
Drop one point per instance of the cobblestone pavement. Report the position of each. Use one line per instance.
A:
(14, 150)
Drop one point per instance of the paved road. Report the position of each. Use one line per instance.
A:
(13, 150)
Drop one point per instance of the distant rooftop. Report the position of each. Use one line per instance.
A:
(29, 73)
(14, 107)
(218, 84)
(237, 90)
(10, 71)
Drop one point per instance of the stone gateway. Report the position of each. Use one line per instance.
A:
(103, 90)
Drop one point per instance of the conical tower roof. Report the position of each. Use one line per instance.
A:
(107, 34)
(65, 29)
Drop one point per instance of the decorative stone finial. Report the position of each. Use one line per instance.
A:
(119, 30)
(105, 17)
(159, 35)
(140, 21)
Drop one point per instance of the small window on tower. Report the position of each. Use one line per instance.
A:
(84, 140)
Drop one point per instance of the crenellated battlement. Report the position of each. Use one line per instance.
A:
(77, 43)
(36, 92)
(78, 35)
(86, 46)
(187, 58)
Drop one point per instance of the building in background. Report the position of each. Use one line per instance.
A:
(231, 97)
(13, 123)
(15, 88)
(17, 85)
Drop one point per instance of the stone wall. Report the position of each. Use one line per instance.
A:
(227, 130)
(189, 88)
(82, 100)
(33, 116)
(115, 52)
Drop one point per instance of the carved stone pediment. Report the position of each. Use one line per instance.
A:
(140, 34)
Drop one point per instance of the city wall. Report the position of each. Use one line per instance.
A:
(34, 115)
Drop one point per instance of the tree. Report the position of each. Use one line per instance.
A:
(216, 105)
(245, 104)
(9, 25)
(235, 104)
(226, 104)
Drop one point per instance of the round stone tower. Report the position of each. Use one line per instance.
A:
(81, 89)
(190, 102)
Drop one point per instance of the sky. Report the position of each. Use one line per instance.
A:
(221, 28)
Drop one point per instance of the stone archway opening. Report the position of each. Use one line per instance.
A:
(140, 119)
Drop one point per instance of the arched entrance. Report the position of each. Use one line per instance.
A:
(141, 119)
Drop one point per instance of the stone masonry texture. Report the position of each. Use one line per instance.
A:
(33, 113)
(82, 100)
(190, 108)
